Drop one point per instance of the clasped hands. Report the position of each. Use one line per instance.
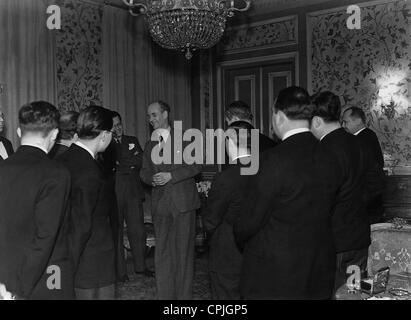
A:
(161, 179)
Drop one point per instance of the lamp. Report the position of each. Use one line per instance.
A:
(186, 25)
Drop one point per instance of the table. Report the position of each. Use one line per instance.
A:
(395, 281)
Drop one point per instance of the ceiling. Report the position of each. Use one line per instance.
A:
(258, 5)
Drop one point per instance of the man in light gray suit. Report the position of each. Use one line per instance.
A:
(174, 204)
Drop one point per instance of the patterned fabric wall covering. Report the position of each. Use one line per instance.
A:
(369, 68)
(261, 35)
(79, 55)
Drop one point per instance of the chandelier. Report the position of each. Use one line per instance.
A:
(186, 25)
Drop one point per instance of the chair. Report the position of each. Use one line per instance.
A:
(391, 247)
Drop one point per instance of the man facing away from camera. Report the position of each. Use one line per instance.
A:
(353, 121)
(349, 220)
(92, 201)
(67, 133)
(285, 224)
(240, 111)
(222, 211)
(34, 192)
(174, 203)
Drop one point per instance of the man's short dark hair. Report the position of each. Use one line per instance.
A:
(239, 109)
(327, 106)
(68, 125)
(38, 116)
(295, 102)
(237, 126)
(357, 113)
(93, 120)
(115, 114)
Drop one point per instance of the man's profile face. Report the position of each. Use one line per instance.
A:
(117, 127)
(349, 123)
(156, 117)
(1, 121)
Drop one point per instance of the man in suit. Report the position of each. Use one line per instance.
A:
(349, 221)
(6, 148)
(222, 210)
(174, 203)
(240, 111)
(92, 198)
(128, 157)
(67, 133)
(353, 121)
(34, 194)
(285, 224)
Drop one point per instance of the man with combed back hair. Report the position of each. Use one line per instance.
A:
(92, 202)
(34, 193)
(349, 220)
(285, 222)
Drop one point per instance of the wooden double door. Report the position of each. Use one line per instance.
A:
(257, 84)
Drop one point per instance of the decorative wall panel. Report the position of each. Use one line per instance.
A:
(79, 55)
(368, 68)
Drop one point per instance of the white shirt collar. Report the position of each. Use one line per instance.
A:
(78, 143)
(328, 133)
(358, 132)
(294, 132)
(35, 146)
(3, 152)
(165, 133)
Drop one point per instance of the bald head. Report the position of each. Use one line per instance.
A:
(157, 114)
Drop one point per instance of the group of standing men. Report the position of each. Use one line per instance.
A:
(291, 231)
(63, 206)
(288, 232)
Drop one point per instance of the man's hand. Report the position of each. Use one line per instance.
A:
(162, 178)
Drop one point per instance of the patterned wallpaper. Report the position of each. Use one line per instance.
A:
(79, 55)
(369, 68)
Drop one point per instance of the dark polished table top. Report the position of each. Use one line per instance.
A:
(395, 281)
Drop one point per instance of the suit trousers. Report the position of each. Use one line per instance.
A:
(104, 293)
(174, 253)
(130, 208)
(225, 286)
(349, 258)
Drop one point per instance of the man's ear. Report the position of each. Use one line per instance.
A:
(281, 118)
(316, 122)
(53, 134)
(19, 132)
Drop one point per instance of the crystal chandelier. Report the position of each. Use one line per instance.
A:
(186, 25)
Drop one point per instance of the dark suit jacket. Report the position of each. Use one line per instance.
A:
(57, 150)
(34, 194)
(8, 146)
(129, 160)
(285, 224)
(222, 211)
(92, 198)
(181, 190)
(350, 222)
(266, 143)
(374, 160)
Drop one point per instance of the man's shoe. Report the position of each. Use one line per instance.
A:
(146, 273)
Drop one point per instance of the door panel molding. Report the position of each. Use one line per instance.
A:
(245, 62)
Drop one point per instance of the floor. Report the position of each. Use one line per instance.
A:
(142, 288)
